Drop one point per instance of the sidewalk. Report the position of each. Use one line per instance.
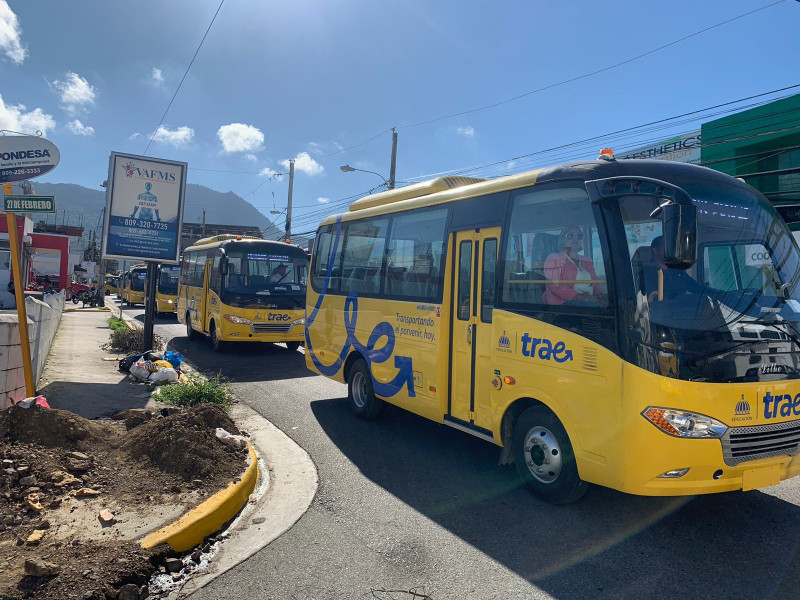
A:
(76, 378)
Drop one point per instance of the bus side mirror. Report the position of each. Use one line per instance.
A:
(679, 230)
(223, 267)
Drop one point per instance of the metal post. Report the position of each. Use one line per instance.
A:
(204, 223)
(19, 295)
(149, 306)
(393, 166)
(289, 207)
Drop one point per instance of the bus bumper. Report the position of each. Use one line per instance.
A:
(232, 332)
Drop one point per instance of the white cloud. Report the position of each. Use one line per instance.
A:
(324, 147)
(18, 118)
(79, 128)
(251, 157)
(74, 91)
(238, 137)
(11, 34)
(267, 172)
(467, 131)
(158, 76)
(323, 200)
(177, 137)
(303, 162)
(133, 136)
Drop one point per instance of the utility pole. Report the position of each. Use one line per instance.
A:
(393, 166)
(289, 207)
(204, 223)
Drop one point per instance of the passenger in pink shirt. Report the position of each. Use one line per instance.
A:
(568, 270)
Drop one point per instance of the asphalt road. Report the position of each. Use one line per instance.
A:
(406, 504)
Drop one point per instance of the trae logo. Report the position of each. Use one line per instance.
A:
(546, 349)
(781, 404)
(274, 317)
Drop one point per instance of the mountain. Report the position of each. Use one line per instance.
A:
(81, 205)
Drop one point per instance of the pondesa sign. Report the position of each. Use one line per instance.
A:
(25, 157)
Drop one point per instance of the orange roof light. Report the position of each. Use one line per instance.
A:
(238, 237)
(288, 241)
(609, 152)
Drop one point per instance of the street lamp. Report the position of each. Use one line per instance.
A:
(349, 169)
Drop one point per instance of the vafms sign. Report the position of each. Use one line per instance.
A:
(144, 208)
(25, 157)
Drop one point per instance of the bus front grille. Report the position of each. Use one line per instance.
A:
(740, 444)
(270, 327)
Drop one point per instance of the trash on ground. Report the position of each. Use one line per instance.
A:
(37, 400)
(229, 440)
(164, 375)
(106, 517)
(174, 358)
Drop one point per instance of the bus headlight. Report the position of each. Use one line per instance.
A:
(681, 423)
(237, 319)
(300, 321)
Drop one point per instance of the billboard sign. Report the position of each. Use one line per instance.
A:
(144, 208)
(25, 157)
(683, 148)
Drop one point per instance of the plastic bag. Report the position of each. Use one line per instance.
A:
(154, 355)
(139, 370)
(28, 402)
(174, 358)
(163, 364)
(164, 375)
(229, 440)
(126, 363)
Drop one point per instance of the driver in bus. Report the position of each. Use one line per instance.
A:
(278, 274)
(571, 276)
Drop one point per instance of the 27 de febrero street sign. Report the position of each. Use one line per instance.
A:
(40, 204)
(144, 208)
(25, 157)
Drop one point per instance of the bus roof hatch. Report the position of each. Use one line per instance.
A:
(423, 188)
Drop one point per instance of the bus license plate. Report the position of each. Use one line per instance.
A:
(754, 479)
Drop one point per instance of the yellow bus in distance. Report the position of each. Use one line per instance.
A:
(633, 324)
(133, 292)
(243, 289)
(167, 289)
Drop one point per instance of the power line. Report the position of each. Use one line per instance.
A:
(214, 18)
(566, 81)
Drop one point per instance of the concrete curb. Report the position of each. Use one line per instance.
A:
(87, 309)
(200, 522)
(292, 487)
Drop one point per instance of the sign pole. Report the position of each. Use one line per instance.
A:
(19, 294)
(149, 305)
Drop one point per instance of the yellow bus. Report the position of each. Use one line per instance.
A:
(133, 292)
(632, 323)
(243, 289)
(112, 284)
(167, 289)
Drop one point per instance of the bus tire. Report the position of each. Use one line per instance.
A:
(190, 332)
(360, 393)
(292, 346)
(544, 457)
(216, 343)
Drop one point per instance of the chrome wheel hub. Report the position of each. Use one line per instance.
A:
(542, 455)
(359, 389)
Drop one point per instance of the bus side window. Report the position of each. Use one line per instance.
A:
(488, 279)
(321, 259)
(215, 276)
(464, 287)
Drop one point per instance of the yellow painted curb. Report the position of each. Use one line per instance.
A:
(200, 522)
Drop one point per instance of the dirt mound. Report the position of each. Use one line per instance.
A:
(185, 444)
(49, 427)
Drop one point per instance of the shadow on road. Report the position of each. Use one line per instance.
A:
(242, 362)
(607, 545)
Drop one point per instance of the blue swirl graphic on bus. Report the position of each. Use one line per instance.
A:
(373, 355)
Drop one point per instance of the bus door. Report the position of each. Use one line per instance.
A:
(471, 332)
(203, 311)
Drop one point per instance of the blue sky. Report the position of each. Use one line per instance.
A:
(277, 80)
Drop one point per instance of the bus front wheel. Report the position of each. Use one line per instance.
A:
(360, 393)
(216, 343)
(190, 332)
(544, 457)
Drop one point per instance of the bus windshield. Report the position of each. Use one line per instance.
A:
(743, 290)
(257, 277)
(137, 280)
(168, 280)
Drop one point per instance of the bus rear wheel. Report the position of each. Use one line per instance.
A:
(360, 393)
(544, 457)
